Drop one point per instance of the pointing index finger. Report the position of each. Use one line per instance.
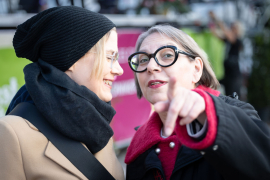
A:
(172, 88)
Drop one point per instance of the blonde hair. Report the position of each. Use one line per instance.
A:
(208, 77)
(100, 54)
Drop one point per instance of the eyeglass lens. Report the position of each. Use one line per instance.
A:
(165, 57)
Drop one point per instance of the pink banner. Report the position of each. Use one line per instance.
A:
(130, 111)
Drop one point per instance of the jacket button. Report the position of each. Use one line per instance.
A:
(172, 144)
(215, 147)
(202, 153)
(157, 150)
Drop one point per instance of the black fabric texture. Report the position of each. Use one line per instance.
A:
(243, 141)
(71, 109)
(60, 36)
(240, 150)
(189, 165)
(233, 78)
(234, 48)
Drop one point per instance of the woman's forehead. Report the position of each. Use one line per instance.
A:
(155, 41)
(111, 43)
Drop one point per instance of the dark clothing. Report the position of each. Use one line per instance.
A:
(232, 74)
(233, 82)
(71, 109)
(235, 48)
(240, 151)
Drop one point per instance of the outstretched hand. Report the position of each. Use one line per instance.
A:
(181, 102)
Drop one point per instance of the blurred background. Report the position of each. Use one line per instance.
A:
(234, 33)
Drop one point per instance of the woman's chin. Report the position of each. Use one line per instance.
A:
(107, 97)
(154, 100)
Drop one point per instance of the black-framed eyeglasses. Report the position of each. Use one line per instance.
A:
(164, 56)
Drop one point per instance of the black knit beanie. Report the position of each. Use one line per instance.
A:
(60, 36)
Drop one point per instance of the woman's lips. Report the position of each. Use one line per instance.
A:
(156, 83)
(108, 86)
(108, 83)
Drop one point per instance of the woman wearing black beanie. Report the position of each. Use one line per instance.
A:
(74, 54)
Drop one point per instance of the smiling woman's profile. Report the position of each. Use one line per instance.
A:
(74, 58)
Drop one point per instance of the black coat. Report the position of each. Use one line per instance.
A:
(241, 150)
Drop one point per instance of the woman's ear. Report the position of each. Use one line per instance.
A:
(198, 69)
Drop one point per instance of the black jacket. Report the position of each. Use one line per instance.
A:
(241, 150)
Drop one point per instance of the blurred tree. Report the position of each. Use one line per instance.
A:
(259, 81)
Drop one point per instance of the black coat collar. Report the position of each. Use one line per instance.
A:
(149, 160)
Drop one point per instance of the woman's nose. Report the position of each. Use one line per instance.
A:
(117, 69)
(153, 66)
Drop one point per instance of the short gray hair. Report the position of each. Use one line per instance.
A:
(208, 77)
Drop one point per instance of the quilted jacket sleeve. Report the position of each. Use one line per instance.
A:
(242, 146)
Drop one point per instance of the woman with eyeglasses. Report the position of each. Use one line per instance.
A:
(74, 57)
(195, 132)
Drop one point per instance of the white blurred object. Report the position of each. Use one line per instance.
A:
(245, 57)
(6, 37)
(7, 92)
(128, 4)
(92, 5)
(145, 11)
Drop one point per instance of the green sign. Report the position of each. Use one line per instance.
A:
(214, 48)
(11, 76)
